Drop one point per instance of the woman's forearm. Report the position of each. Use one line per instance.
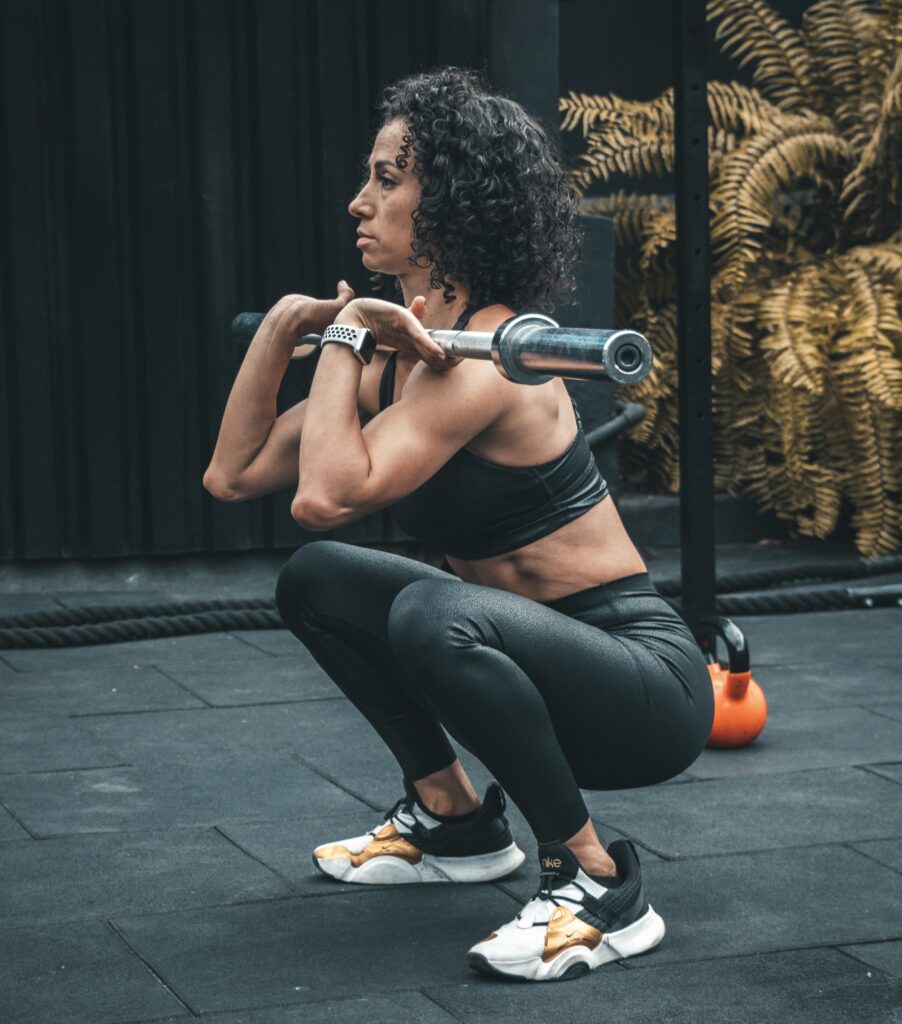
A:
(334, 459)
(250, 411)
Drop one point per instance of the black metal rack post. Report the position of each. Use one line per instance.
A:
(693, 310)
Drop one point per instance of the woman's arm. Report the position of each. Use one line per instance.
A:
(252, 444)
(334, 459)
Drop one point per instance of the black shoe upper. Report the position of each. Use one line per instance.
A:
(484, 831)
(615, 909)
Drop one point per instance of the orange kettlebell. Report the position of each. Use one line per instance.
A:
(740, 710)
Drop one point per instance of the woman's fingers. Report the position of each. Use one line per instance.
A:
(429, 350)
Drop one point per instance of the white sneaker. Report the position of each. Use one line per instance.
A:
(413, 845)
(574, 923)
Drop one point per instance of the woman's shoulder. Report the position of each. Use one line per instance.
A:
(489, 317)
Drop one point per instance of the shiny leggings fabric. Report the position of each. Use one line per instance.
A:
(602, 689)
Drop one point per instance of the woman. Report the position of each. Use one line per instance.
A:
(548, 653)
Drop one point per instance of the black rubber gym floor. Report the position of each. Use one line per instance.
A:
(159, 801)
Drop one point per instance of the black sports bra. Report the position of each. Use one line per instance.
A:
(472, 508)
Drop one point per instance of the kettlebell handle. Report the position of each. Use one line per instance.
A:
(737, 646)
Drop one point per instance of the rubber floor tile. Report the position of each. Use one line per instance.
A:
(810, 986)
(210, 649)
(10, 829)
(795, 741)
(843, 684)
(112, 873)
(740, 904)
(822, 638)
(298, 950)
(78, 972)
(755, 812)
(44, 743)
(102, 690)
(275, 681)
(398, 1007)
(889, 770)
(893, 711)
(316, 730)
(885, 956)
(264, 788)
(887, 851)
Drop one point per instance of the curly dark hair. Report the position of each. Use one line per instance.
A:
(495, 211)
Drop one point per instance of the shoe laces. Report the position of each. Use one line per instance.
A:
(545, 892)
(403, 804)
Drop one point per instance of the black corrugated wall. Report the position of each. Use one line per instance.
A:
(164, 165)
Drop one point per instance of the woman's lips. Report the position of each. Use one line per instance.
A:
(365, 238)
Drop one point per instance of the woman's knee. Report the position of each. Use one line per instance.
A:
(304, 574)
(428, 616)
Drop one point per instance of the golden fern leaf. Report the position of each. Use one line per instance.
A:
(783, 70)
(582, 109)
(615, 151)
(848, 67)
(871, 478)
(885, 258)
(733, 317)
(865, 346)
(657, 249)
(738, 109)
(735, 111)
(632, 295)
(795, 333)
(733, 108)
(872, 190)
(814, 495)
(889, 33)
(655, 116)
(751, 176)
(629, 211)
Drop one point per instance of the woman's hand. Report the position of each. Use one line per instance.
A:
(398, 327)
(296, 315)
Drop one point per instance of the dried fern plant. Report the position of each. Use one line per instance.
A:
(806, 251)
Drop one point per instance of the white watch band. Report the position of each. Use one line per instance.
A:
(358, 339)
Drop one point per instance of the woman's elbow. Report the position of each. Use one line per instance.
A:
(220, 488)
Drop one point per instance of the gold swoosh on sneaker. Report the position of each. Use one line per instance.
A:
(385, 843)
(564, 930)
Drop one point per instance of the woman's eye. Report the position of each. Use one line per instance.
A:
(386, 178)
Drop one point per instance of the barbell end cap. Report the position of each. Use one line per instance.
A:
(643, 360)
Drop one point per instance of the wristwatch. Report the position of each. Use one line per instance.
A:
(359, 340)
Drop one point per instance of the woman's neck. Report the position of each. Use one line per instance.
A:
(438, 314)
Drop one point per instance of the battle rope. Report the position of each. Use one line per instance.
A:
(72, 627)
(828, 569)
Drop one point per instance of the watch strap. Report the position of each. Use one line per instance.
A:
(359, 339)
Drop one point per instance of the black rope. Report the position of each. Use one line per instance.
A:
(114, 613)
(753, 579)
(73, 627)
(796, 601)
(152, 628)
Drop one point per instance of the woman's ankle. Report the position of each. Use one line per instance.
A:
(592, 856)
(448, 792)
(446, 804)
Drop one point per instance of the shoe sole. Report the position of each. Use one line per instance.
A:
(639, 937)
(388, 870)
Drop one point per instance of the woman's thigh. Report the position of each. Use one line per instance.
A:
(339, 582)
(622, 715)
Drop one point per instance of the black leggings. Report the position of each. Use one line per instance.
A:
(602, 689)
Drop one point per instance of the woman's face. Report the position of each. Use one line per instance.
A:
(385, 204)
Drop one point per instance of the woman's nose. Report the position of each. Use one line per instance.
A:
(356, 205)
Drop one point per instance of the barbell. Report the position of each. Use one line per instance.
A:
(529, 348)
